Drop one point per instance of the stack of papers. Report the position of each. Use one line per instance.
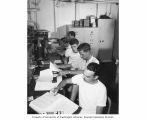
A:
(47, 85)
(48, 103)
(53, 67)
(46, 76)
(44, 81)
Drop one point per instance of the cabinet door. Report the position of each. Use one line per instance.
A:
(106, 37)
(91, 37)
(88, 35)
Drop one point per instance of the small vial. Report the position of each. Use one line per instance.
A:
(55, 73)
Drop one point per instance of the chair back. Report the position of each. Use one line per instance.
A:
(109, 102)
(107, 109)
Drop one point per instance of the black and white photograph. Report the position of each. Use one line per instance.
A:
(72, 57)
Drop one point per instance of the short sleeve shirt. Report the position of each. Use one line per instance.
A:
(90, 95)
(83, 64)
(74, 58)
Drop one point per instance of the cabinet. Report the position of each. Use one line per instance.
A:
(88, 35)
(106, 38)
(91, 36)
(100, 38)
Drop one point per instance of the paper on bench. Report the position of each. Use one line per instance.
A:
(45, 76)
(53, 67)
(46, 85)
(44, 81)
(50, 103)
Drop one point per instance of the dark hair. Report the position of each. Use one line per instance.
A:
(94, 67)
(72, 33)
(64, 40)
(74, 41)
(85, 47)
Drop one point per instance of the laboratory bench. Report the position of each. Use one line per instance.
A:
(107, 76)
(31, 92)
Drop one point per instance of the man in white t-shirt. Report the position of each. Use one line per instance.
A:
(73, 55)
(85, 53)
(87, 57)
(84, 50)
(92, 92)
(69, 51)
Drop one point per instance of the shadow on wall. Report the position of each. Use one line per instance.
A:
(61, 32)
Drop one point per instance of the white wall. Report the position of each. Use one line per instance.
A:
(85, 9)
(65, 13)
(45, 17)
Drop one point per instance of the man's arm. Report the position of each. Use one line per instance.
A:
(65, 60)
(64, 82)
(73, 72)
(61, 84)
(75, 89)
(64, 66)
(99, 110)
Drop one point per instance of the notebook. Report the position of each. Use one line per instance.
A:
(48, 103)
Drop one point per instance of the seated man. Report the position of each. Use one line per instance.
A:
(92, 92)
(71, 34)
(72, 59)
(72, 56)
(63, 45)
(66, 43)
(87, 57)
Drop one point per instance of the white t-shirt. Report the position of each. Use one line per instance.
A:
(68, 51)
(83, 64)
(90, 95)
(74, 58)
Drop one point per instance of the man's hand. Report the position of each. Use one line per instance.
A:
(64, 72)
(64, 66)
(54, 90)
(61, 66)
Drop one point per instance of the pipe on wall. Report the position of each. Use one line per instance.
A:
(54, 16)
